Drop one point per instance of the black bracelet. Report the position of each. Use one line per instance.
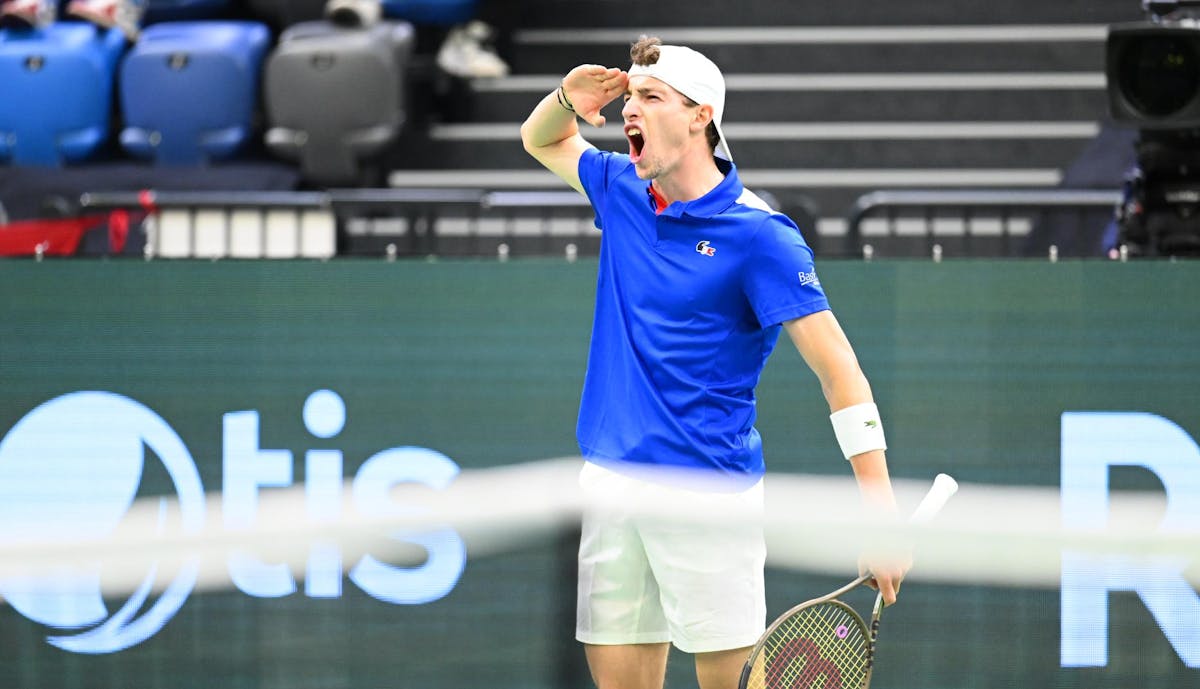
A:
(563, 100)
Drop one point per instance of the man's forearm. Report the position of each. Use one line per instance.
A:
(871, 471)
(548, 124)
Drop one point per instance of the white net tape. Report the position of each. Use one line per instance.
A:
(987, 534)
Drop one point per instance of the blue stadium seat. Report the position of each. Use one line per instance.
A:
(189, 90)
(57, 92)
(444, 12)
(335, 96)
(176, 10)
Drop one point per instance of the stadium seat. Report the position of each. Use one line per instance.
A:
(443, 12)
(335, 96)
(189, 90)
(57, 92)
(176, 10)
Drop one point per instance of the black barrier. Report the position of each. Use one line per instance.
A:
(968, 209)
(537, 223)
(248, 364)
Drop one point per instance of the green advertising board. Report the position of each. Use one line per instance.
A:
(243, 376)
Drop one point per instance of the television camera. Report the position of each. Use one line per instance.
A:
(1152, 73)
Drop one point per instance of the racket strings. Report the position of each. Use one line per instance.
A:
(823, 646)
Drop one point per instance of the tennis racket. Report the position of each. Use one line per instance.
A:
(823, 643)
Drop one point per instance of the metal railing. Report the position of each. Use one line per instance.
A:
(965, 209)
(477, 222)
(489, 222)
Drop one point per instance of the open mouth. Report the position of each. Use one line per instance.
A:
(636, 142)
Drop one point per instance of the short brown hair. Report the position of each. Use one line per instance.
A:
(644, 52)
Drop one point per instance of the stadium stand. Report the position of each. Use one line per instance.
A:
(826, 103)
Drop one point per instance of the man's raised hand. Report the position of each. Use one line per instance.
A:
(591, 87)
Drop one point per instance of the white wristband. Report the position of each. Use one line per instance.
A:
(858, 429)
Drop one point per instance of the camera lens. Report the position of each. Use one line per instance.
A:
(1159, 75)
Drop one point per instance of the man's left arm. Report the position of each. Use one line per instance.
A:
(827, 351)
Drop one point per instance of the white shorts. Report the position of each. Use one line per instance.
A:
(653, 580)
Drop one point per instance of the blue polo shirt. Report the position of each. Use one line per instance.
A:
(689, 304)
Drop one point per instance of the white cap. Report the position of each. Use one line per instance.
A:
(696, 77)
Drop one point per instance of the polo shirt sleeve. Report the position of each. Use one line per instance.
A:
(597, 169)
(779, 278)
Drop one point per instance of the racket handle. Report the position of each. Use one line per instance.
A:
(943, 488)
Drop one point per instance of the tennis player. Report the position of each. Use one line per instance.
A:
(697, 277)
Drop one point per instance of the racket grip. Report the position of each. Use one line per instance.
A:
(944, 486)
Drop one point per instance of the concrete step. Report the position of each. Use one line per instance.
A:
(790, 146)
(621, 13)
(850, 98)
(1016, 54)
(827, 101)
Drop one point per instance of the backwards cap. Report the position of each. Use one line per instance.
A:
(696, 77)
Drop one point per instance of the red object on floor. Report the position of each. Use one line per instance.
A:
(58, 237)
(118, 230)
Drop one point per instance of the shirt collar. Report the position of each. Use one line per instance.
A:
(715, 201)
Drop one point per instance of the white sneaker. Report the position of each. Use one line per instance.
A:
(123, 14)
(354, 12)
(466, 53)
(29, 14)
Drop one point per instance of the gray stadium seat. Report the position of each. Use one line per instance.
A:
(335, 97)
